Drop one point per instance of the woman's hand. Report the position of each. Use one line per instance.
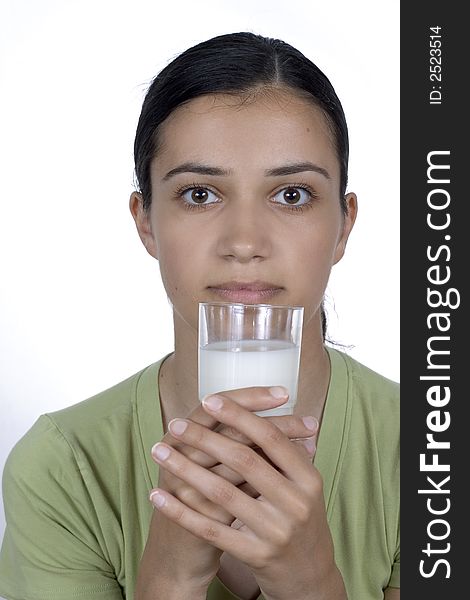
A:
(174, 559)
(283, 535)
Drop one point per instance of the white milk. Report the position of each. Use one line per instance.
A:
(233, 365)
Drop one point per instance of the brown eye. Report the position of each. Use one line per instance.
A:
(294, 196)
(291, 195)
(199, 195)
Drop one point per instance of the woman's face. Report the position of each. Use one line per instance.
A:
(245, 203)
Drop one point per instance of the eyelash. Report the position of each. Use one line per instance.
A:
(181, 190)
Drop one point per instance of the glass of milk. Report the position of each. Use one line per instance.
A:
(245, 345)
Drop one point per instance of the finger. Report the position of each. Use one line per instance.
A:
(253, 399)
(192, 498)
(246, 488)
(197, 501)
(306, 445)
(309, 445)
(214, 488)
(228, 474)
(245, 461)
(221, 536)
(267, 436)
(294, 427)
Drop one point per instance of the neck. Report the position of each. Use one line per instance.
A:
(178, 380)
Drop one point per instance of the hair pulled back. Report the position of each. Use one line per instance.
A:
(235, 63)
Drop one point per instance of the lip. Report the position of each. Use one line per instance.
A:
(247, 292)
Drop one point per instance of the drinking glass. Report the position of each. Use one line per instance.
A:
(244, 345)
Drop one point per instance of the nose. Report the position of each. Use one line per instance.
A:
(245, 234)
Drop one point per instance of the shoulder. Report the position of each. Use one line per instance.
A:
(59, 437)
(374, 401)
(370, 387)
(368, 379)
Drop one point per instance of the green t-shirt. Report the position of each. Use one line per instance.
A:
(76, 490)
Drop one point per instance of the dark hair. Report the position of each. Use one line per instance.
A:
(235, 63)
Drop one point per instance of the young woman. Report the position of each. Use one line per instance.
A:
(241, 156)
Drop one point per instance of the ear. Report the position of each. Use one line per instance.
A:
(143, 223)
(348, 223)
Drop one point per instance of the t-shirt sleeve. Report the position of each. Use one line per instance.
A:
(51, 548)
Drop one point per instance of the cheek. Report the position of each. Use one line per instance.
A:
(313, 258)
(179, 263)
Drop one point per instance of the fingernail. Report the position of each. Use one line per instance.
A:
(177, 426)
(157, 499)
(310, 446)
(310, 423)
(213, 402)
(278, 392)
(160, 452)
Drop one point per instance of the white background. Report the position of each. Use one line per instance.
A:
(81, 302)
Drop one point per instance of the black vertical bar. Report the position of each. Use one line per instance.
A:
(434, 256)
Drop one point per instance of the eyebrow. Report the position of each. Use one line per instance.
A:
(289, 169)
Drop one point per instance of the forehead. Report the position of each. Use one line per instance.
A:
(255, 129)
